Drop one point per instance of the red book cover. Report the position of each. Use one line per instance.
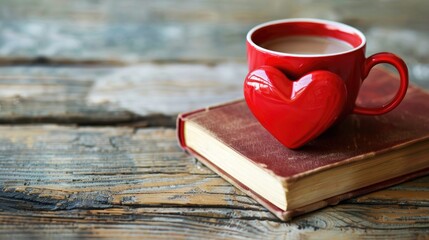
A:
(356, 138)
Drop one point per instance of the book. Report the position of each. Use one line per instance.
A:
(358, 155)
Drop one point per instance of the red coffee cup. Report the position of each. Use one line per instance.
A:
(298, 96)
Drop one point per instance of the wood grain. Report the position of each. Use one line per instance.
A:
(43, 94)
(124, 182)
(145, 94)
(117, 163)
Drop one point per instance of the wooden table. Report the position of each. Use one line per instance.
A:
(89, 92)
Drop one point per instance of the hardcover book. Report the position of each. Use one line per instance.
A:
(359, 155)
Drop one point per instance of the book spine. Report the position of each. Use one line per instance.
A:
(180, 122)
(180, 127)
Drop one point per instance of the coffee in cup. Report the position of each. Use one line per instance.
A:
(307, 45)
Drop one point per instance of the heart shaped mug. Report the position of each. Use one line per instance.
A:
(297, 95)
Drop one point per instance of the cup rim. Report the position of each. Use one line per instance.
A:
(339, 25)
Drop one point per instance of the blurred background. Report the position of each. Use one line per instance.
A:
(195, 33)
(195, 30)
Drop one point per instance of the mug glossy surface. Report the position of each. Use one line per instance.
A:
(276, 80)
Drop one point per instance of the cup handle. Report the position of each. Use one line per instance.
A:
(400, 65)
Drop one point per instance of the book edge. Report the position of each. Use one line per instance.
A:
(289, 214)
(353, 159)
(180, 121)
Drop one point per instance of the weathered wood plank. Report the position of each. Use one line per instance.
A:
(123, 182)
(149, 93)
(414, 192)
(190, 30)
(90, 167)
(342, 222)
(170, 89)
(138, 11)
(39, 94)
